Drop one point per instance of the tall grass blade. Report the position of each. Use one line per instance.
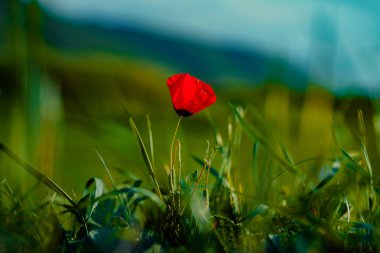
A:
(125, 207)
(364, 146)
(172, 179)
(179, 162)
(269, 132)
(150, 139)
(348, 208)
(256, 136)
(354, 166)
(35, 173)
(146, 158)
(255, 165)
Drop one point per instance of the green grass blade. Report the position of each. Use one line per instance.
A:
(270, 132)
(256, 136)
(35, 173)
(146, 158)
(150, 139)
(125, 207)
(367, 160)
(179, 161)
(354, 166)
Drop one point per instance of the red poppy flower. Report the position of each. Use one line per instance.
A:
(189, 94)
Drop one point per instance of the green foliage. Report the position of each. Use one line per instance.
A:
(335, 211)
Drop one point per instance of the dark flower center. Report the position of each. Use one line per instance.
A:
(183, 112)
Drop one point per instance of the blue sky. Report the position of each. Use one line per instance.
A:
(290, 29)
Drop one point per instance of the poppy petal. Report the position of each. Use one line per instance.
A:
(189, 94)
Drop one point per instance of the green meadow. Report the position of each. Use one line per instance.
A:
(86, 163)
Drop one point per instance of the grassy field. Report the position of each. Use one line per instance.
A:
(264, 169)
(86, 163)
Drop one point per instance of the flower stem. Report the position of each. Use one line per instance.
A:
(171, 175)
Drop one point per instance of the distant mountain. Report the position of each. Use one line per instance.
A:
(216, 64)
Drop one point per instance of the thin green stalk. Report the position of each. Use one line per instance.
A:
(126, 209)
(179, 161)
(195, 187)
(179, 170)
(209, 166)
(150, 140)
(171, 175)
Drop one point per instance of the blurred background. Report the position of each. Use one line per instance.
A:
(69, 70)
